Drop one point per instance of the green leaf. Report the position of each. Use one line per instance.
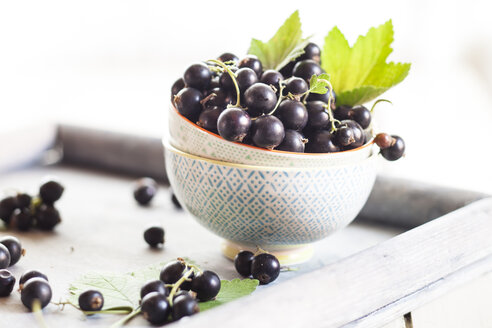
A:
(319, 83)
(360, 73)
(122, 291)
(286, 45)
(231, 290)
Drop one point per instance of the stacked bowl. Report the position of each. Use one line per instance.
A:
(278, 201)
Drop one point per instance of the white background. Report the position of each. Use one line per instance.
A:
(110, 64)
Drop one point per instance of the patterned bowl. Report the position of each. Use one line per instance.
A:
(190, 138)
(281, 210)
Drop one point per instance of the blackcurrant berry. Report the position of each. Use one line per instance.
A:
(36, 289)
(7, 207)
(293, 142)
(265, 267)
(396, 150)
(242, 263)
(324, 98)
(383, 140)
(311, 51)
(154, 286)
(7, 282)
(251, 61)
(233, 124)
(220, 98)
(197, 76)
(359, 135)
(272, 77)
(225, 80)
(155, 308)
(260, 99)
(321, 141)
(23, 200)
(144, 190)
(91, 300)
(318, 117)
(175, 201)
(361, 115)
(28, 275)
(23, 219)
(188, 103)
(228, 57)
(343, 112)
(245, 77)
(15, 248)
(154, 236)
(177, 86)
(184, 306)
(47, 217)
(172, 272)
(296, 86)
(206, 285)
(50, 192)
(267, 131)
(4, 257)
(305, 69)
(344, 136)
(286, 71)
(293, 114)
(209, 117)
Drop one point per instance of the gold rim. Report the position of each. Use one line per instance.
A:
(169, 147)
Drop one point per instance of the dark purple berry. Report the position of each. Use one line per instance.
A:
(293, 142)
(225, 80)
(7, 282)
(321, 141)
(265, 267)
(36, 289)
(154, 286)
(184, 306)
(4, 257)
(188, 103)
(91, 300)
(305, 69)
(396, 150)
(242, 263)
(272, 77)
(172, 272)
(177, 86)
(251, 61)
(47, 217)
(233, 124)
(23, 201)
(23, 220)
(154, 236)
(293, 114)
(144, 190)
(50, 192)
(318, 117)
(228, 57)
(220, 98)
(15, 248)
(7, 207)
(359, 135)
(311, 51)
(344, 136)
(296, 86)
(361, 115)
(260, 99)
(209, 117)
(206, 285)
(197, 76)
(267, 131)
(28, 275)
(155, 308)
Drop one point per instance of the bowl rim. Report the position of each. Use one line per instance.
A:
(277, 152)
(167, 145)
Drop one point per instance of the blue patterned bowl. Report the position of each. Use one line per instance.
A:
(279, 209)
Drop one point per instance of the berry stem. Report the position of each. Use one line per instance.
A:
(233, 77)
(177, 284)
(280, 98)
(127, 318)
(38, 314)
(377, 102)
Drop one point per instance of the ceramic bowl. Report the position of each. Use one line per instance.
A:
(190, 138)
(282, 210)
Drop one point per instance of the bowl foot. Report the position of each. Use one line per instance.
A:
(287, 255)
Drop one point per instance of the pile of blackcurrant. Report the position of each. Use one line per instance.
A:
(23, 211)
(177, 292)
(263, 266)
(270, 109)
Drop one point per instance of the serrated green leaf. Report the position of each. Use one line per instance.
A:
(360, 73)
(231, 290)
(122, 291)
(319, 83)
(286, 45)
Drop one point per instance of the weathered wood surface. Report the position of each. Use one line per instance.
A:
(378, 283)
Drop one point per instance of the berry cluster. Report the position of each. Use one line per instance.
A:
(264, 267)
(24, 212)
(269, 109)
(177, 292)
